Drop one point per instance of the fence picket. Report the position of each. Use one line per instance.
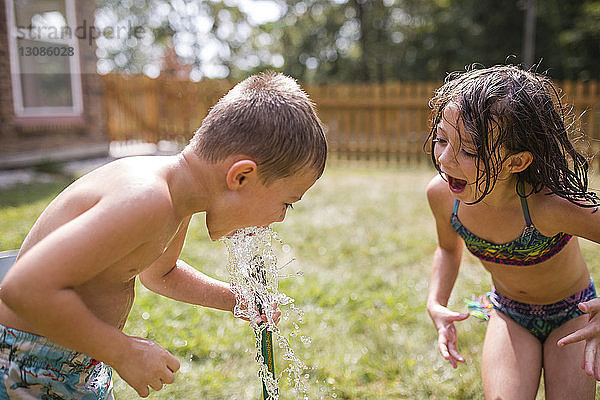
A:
(379, 123)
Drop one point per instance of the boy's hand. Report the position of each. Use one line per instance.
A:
(261, 317)
(591, 334)
(444, 319)
(144, 363)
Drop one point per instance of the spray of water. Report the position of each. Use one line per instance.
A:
(254, 276)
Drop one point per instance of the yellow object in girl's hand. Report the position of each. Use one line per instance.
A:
(480, 306)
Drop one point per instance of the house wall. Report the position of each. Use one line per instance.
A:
(32, 140)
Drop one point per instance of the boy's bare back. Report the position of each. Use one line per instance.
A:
(125, 215)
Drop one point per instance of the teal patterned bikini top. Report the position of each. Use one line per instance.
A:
(530, 248)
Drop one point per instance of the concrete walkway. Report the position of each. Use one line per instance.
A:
(11, 177)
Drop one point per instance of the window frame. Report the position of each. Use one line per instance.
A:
(21, 111)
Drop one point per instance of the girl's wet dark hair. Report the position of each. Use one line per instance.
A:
(507, 107)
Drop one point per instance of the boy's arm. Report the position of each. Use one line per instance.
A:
(173, 278)
(39, 288)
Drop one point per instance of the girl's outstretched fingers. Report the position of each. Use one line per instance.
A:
(592, 328)
(455, 354)
(589, 358)
(596, 361)
(450, 353)
(591, 306)
(448, 338)
(584, 333)
(443, 347)
(591, 334)
(597, 365)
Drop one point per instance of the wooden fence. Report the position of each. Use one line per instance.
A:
(378, 123)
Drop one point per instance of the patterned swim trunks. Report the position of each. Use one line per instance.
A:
(33, 367)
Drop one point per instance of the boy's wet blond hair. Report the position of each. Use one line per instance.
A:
(269, 118)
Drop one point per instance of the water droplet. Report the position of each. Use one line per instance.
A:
(253, 274)
(145, 315)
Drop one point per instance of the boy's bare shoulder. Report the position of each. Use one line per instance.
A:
(128, 190)
(138, 180)
(126, 175)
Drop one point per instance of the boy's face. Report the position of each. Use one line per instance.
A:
(257, 204)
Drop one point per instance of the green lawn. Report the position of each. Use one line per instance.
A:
(364, 240)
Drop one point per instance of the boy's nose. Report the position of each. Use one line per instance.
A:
(280, 218)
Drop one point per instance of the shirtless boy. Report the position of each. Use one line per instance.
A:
(66, 299)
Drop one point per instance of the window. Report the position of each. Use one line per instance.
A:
(44, 58)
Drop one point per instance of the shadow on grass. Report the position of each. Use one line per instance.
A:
(25, 193)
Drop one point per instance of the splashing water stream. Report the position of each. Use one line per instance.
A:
(253, 273)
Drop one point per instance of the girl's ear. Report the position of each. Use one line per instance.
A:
(520, 161)
(240, 173)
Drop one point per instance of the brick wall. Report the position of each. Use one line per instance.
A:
(76, 137)
(7, 131)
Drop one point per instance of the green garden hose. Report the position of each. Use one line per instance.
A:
(267, 336)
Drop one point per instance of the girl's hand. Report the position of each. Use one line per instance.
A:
(444, 319)
(591, 334)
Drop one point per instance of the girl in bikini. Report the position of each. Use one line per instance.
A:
(514, 190)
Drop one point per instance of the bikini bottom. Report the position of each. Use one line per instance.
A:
(541, 319)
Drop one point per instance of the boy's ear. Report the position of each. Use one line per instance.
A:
(240, 172)
(520, 161)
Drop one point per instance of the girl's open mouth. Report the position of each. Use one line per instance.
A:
(456, 185)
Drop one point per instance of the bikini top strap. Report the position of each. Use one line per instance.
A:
(526, 211)
(525, 207)
(455, 208)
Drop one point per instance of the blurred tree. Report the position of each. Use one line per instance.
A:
(208, 38)
(569, 38)
(326, 41)
(380, 40)
(321, 41)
